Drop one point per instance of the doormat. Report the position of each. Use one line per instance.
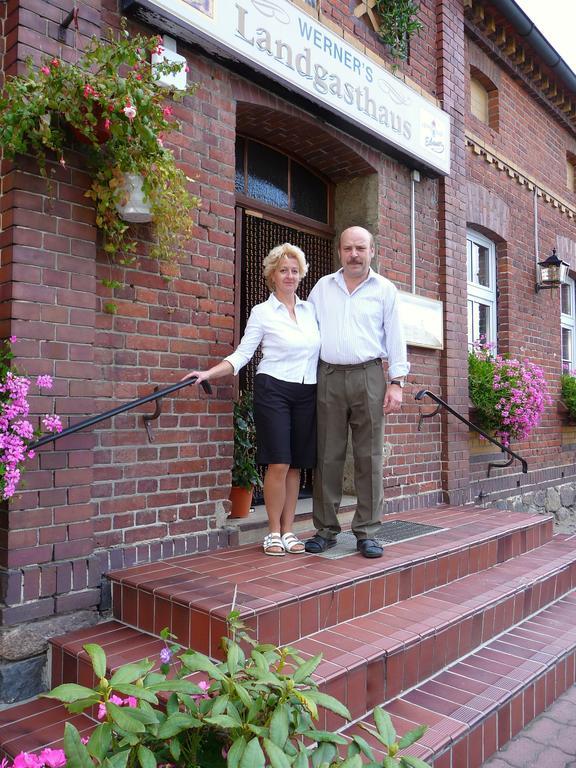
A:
(388, 533)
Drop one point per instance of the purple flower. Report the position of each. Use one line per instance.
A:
(44, 381)
(27, 760)
(165, 655)
(53, 758)
(52, 423)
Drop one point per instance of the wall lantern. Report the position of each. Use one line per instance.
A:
(551, 272)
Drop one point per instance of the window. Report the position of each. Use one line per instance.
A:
(568, 324)
(481, 265)
(479, 100)
(571, 171)
(484, 98)
(273, 178)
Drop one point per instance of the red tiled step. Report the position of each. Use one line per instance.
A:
(37, 724)
(477, 705)
(284, 599)
(372, 658)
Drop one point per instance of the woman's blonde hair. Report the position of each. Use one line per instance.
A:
(285, 251)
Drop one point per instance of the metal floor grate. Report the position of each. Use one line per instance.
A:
(388, 533)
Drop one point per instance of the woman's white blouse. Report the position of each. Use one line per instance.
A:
(289, 349)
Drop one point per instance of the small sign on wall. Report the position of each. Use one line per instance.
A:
(422, 319)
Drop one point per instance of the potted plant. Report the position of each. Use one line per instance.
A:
(398, 22)
(567, 404)
(111, 105)
(245, 476)
(257, 707)
(509, 395)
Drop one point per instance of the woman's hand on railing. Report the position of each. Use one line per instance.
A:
(200, 376)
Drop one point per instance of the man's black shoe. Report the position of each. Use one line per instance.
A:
(318, 544)
(369, 548)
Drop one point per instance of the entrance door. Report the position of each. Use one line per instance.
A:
(259, 236)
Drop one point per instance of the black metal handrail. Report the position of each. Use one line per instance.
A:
(98, 417)
(442, 404)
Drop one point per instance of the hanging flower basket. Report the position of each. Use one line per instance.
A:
(133, 205)
(111, 103)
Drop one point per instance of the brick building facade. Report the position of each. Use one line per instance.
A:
(107, 497)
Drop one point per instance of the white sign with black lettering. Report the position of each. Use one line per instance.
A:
(294, 49)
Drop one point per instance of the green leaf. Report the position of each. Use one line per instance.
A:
(329, 702)
(224, 721)
(279, 725)
(123, 720)
(146, 757)
(325, 753)
(177, 686)
(175, 749)
(197, 662)
(330, 736)
(99, 743)
(129, 673)
(235, 752)
(384, 725)
(232, 658)
(98, 659)
(253, 757)
(137, 692)
(306, 669)
(389, 762)
(118, 760)
(220, 704)
(307, 703)
(364, 747)
(70, 692)
(77, 756)
(411, 736)
(407, 761)
(277, 757)
(176, 723)
(352, 762)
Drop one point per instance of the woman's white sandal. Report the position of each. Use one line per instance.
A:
(273, 541)
(292, 544)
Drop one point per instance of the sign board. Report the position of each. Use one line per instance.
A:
(275, 37)
(422, 320)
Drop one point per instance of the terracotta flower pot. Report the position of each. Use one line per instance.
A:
(241, 499)
(101, 132)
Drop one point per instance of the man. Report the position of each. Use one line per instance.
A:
(359, 322)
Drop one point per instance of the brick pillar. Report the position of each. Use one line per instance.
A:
(49, 574)
(452, 226)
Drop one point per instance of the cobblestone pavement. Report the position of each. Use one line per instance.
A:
(548, 742)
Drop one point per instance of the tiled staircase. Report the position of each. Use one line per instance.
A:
(470, 630)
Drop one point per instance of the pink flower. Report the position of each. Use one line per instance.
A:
(167, 111)
(13, 339)
(130, 112)
(186, 68)
(44, 381)
(107, 124)
(45, 70)
(89, 91)
(101, 711)
(27, 760)
(131, 701)
(52, 423)
(116, 700)
(53, 758)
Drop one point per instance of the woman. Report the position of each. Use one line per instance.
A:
(284, 390)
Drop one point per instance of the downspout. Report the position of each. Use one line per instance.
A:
(414, 177)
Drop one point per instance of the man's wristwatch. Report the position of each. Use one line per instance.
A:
(398, 382)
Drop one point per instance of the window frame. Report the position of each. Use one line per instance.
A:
(568, 323)
(481, 295)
